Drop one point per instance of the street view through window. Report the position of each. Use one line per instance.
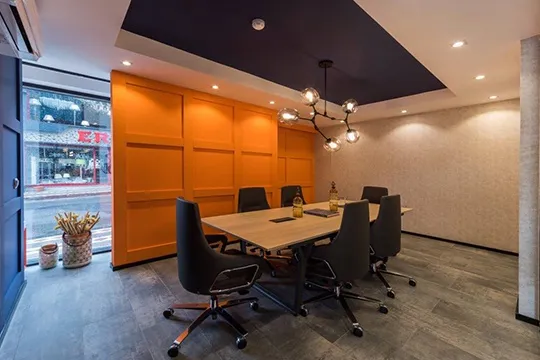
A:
(67, 165)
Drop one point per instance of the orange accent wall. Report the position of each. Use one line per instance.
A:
(170, 141)
(296, 160)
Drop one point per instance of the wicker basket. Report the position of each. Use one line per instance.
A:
(76, 250)
(48, 256)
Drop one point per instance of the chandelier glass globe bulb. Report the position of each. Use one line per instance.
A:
(332, 144)
(310, 96)
(350, 106)
(288, 116)
(352, 136)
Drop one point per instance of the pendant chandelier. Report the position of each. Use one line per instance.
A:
(311, 97)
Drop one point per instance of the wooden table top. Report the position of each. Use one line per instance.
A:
(256, 228)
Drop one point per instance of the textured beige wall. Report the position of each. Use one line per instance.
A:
(457, 168)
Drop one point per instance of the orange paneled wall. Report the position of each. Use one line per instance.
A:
(296, 159)
(170, 141)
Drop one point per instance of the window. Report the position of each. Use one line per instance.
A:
(67, 165)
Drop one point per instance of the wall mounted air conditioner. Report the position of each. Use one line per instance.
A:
(19, 29)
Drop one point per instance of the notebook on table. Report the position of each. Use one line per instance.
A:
(321, 212)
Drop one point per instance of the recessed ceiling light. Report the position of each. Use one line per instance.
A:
(312, 113)
(215, 87)
(341, 121)
(272, 102)
(480, 77)
(403, 111)
(458, 44)
(493, 97)
(258, 24)
(126, 63)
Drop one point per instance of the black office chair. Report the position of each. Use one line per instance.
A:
(373, 194)
(288, 193)
(345, 259)
(204, 271)
(254, 199)
(386, 240)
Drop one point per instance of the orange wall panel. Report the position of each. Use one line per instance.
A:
(151, 226)
(299, 171)
(256, 170)
(258, 130)
(213, 169)
(158, 107)
(145, 173)
(170, 141)
(296, 162)
(216, 121)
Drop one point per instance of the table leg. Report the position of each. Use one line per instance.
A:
(303, 253)
(243, 246)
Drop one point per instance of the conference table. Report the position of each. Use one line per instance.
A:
(256, 228)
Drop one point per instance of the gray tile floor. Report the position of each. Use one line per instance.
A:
(463, 308)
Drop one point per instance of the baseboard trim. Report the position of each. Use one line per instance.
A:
(142, 262)
(524, 318)
(10, 317)
(461, 243)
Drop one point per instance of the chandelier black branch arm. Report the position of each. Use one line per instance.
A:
(310, 97)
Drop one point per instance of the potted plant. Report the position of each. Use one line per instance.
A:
(77, 238)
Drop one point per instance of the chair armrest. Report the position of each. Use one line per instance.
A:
(234, 279)
(216, 239)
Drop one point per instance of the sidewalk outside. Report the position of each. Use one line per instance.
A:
(54, 192)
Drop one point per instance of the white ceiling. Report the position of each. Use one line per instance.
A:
(85, 37)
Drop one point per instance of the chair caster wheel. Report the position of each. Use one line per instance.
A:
(273, 273)
(173, 350)
(348, 285)
(412, 282)
(254, 305)
(382, 267)
(168, 313)
(241, 343)
(304, 311)
(391, 294)
(357, 331)
(383, 309)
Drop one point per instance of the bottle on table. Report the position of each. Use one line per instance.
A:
(298, 205)
(333, 199)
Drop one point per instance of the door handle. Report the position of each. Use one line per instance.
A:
(16, 183)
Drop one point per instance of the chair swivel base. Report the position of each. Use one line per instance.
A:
(342, 295)
(213, 309)
(381, 269)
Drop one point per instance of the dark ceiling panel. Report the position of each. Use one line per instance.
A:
(369, 64)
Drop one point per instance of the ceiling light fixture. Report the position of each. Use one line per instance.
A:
(493, 97)
(458, 44)
(48, 118)
(403, 111)
(35, 102)
(215, 87)
(126, 63)
(310, 97)
(272, 102)
(480, 77)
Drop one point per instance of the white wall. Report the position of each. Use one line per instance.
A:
(457, 168)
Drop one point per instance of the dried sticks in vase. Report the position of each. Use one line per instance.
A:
(71, 225)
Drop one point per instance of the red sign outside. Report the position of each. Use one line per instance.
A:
(93, 137)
